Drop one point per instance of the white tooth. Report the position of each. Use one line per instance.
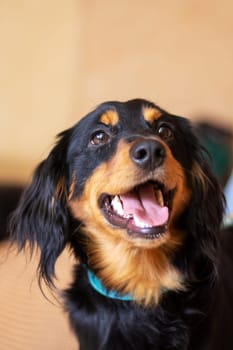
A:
(128, 216)
(141, 224)
(117, 206)
(159, 197)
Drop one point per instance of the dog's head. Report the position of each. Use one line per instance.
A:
(127, 186)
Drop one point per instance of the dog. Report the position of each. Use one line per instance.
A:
(129, 190)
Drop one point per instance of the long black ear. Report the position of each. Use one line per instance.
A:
(41, 218)
(204, 216)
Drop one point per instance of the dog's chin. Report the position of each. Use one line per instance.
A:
(143, 212)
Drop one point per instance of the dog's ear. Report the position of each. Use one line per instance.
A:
(41, 218)
(205, 213)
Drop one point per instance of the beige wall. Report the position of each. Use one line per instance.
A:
(61, 58)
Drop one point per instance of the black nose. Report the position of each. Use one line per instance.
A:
(148, 154)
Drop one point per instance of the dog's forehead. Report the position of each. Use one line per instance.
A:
(133, 110)
(114, 113)
(132, 116)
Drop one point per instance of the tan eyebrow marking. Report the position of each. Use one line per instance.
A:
(110, 117)
(151, 114)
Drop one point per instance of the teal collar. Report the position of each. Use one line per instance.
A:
(98, 286)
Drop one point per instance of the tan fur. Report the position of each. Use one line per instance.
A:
(143, 273)
(72, 187)
(60, 191)
(60, 188)
(110, 117)
(151, 114)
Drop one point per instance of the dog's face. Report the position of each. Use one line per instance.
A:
(128, 178)
(127, 173)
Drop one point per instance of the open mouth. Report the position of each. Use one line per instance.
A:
(143, 211)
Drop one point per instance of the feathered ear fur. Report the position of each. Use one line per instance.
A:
(41, 218)
(204, 217)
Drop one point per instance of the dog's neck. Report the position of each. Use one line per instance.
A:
(99, 287)
(142, 274)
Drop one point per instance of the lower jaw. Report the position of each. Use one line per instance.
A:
(147, 233)
(151, 235)
(148, 240)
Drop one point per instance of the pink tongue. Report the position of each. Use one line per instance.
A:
(144, 207)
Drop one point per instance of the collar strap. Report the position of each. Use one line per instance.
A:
(98, 286)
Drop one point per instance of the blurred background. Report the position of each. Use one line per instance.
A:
(58, 60)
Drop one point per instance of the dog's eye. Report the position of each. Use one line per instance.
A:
(100, 137)
(165, 132)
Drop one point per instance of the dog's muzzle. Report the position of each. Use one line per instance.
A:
(144, 209)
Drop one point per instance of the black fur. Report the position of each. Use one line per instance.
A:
(195, 319)
(9, 197)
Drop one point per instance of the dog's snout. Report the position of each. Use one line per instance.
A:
(148, 154)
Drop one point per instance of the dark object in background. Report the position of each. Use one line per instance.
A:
(219, 143)
(9, 196)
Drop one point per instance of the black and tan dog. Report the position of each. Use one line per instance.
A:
(128, 188)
